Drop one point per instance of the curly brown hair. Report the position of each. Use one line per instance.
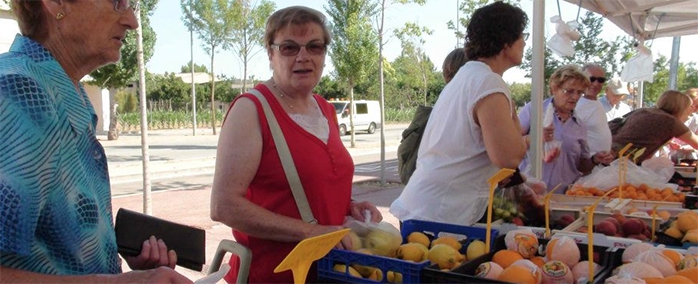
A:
(493, 27)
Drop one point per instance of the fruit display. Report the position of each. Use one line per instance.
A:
(629, 191)
(645, 263)
(681, 231)
(379, 255)
(506, 210)
(562, 261)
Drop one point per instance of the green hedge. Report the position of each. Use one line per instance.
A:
(131, 121)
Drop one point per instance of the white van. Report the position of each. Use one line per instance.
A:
(367, 116)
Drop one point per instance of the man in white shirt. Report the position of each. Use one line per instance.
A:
(612, 102)
(590, 111)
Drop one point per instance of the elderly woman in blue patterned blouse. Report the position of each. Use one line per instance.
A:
(55, 210)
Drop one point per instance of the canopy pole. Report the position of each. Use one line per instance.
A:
(537, 89)
(674, 64)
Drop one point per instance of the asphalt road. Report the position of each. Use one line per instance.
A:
(179, 160)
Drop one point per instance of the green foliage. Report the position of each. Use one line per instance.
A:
(416, 61)
(467, 8)
(246, 38)
(127, 102)
(125, 71)
(687, 77)
(520, 93)
(355, 48)
(330, 89)
(131, 122)
(197, 68)
(168, 87)
(212, 21)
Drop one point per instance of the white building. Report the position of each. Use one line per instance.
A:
(98, 97)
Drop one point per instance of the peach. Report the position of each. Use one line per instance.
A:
(633, 226)
(606, 228)
(613, 221)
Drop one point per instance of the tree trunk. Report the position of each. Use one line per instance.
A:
(113, 133)
(352, 111)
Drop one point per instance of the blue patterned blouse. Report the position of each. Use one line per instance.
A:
(55, 200)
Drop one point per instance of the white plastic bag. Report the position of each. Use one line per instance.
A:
(561, 42)
(551, 149)
(662, 166)
(607, 177)
(639, 67)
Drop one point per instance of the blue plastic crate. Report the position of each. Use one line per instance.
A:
(411, 272)
(434, 229)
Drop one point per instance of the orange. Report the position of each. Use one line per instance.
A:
(653, 280)
(681, 196)
(520, 274)
(665, 215)
(673, 255)
(677, 279)
(690, 273)
(506, 257)
(538, 261)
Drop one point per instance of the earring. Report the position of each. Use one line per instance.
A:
(59, 15)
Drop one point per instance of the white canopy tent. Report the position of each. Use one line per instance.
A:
(641, 19)
(647, 19)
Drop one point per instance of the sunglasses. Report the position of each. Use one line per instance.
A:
(290, 48)
(525, 36)
(597, 79)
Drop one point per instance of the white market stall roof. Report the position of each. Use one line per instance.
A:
(647, 19)
(199, 77)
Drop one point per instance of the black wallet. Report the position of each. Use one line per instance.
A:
(133, 228)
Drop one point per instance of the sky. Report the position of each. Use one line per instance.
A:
(172, 49)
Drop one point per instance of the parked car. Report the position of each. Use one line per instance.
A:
(367, 116)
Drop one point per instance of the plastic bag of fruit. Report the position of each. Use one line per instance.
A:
(381, 238)
(607, 177)
(518, 200)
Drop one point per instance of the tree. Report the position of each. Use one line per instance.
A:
(197, 68)
(520, 93)
(355, 46)
(413, 49)
(212, 20)
(465, 9)
(246, 38)
(124, 72)
(329, 89)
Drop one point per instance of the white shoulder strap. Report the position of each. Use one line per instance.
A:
(286, 160)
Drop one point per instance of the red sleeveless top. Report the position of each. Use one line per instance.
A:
(325, 170)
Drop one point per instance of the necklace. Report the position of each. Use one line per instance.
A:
(282, 95)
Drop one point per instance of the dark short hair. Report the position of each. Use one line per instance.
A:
(30, 18)
(294, 16)
(453, 62)
(493, 27)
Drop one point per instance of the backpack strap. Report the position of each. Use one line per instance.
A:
(286, 160)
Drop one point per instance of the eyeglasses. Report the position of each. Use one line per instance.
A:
(601, 80)
(290, 48)
(525, 36)
(570, 92)
(122, 5)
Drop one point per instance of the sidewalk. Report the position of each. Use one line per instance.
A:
(178, 153)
